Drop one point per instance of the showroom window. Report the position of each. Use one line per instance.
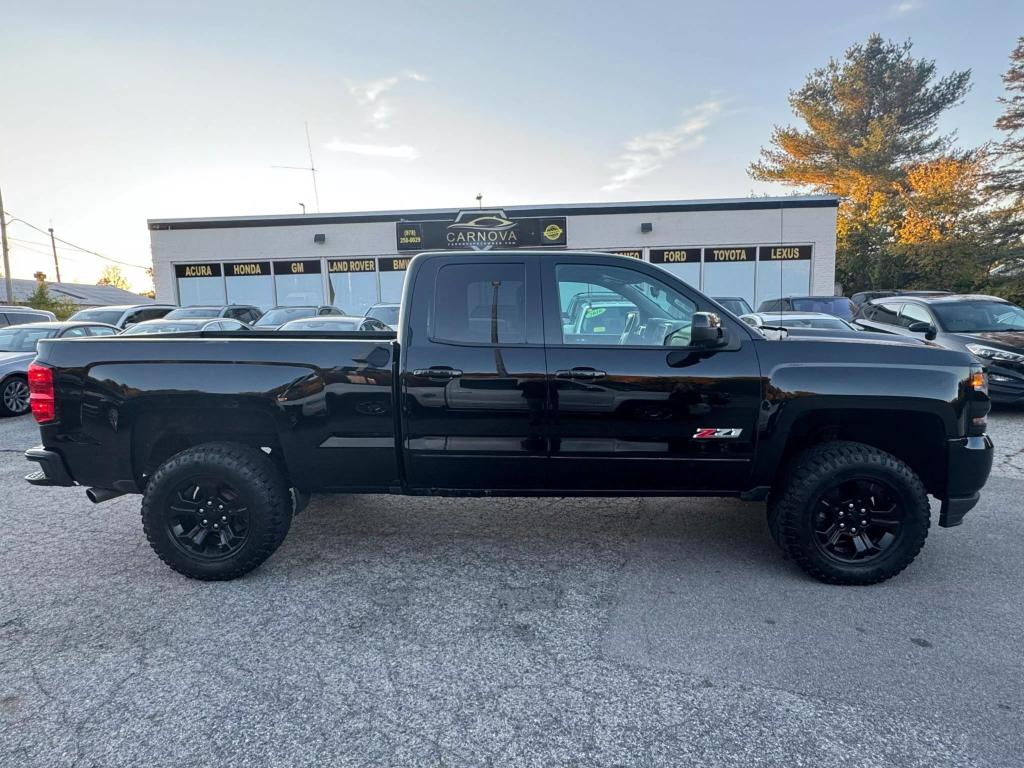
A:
(392, 278)
(298, 283)
(353, 284)
(199, 284)
(684, 263)
(729, 271)
(783, 270)
(249, 282)
(480, 304)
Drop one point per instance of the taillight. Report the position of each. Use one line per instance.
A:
(40, 387)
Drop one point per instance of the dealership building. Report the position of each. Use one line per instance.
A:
(757, 248)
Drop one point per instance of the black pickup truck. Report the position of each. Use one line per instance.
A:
(507, 377)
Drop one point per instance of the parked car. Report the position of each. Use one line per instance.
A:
(735, 304)
(337, 323)
(793, 320)
(837, 306)
(18, 349)
(386, 313)
(278, 316)
(15, 315)
(184, 325)
(246, 313)
(863, 297)
(124, 315)
(990, 328)
(486, 393)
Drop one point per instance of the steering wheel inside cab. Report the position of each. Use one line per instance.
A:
(654, 332)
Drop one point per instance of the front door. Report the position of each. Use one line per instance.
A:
(633, 406)
(473, 382)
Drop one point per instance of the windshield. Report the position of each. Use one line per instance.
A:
(108, 316)
(199, 312)
(979, 316)
(839, 306)
(282, 316)
(143, 329)
(736, 306)
(387, 315)
(322, 325)
(23, 340)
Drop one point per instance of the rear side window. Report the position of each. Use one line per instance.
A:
(20, 318)
(885, 313)
(480, 304)
(99, 330)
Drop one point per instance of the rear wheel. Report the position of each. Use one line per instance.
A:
(216, 511)
(850, 513)
(14, 396)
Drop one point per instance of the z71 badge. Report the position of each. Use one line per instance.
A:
(710, 433)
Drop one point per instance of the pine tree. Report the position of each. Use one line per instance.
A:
(1008, 178)
(868, 119)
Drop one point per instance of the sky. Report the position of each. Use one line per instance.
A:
(113, 113)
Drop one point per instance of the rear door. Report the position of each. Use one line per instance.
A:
(473, 377)
(633, 407)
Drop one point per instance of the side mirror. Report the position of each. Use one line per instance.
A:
(922, 327)
(706, 331)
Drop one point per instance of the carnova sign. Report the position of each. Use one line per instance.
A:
(481, 230)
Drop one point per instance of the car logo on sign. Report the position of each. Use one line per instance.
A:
(713, 433)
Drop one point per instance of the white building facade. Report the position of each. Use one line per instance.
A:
(753, 248)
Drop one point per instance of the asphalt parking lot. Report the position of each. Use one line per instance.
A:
(392, 631)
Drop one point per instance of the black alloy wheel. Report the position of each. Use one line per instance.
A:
(217, 511)
(849, 513)
(857, 520)
(208, 518)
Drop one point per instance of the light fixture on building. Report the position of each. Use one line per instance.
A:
(646, 227)
(319, 238)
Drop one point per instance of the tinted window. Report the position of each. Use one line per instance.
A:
(885, 313)
(20, 318)
(913, 313)
(983, 315)
(619, 306)
(148, 314)
(109, 316)
(480, 303)
(24, 340)
(839, 306)
(387, 314)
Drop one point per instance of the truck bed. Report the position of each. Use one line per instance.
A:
(317, 401)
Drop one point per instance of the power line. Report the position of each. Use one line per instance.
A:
(77, 247)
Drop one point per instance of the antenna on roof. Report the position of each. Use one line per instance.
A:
(311, 168)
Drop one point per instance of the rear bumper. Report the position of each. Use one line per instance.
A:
(968, 463)
(52, 470)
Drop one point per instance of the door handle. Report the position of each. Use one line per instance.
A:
(588, 374)
(438, 372)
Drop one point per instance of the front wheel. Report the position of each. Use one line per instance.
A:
(14, 396)
(849, 513)
(216, 511)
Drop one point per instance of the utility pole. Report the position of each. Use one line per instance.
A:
(7, 258)
(56, 263)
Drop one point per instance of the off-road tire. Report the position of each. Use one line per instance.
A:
(823, 467)
(257, 480)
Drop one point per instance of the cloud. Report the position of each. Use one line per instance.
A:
(372, 96)
(646, 153)
(398, 151)
(906, 6)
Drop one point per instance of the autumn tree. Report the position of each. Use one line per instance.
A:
(113, 276)
(867, 120)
